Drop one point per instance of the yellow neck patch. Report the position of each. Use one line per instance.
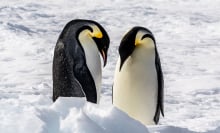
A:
(97, 34)
(137, 42)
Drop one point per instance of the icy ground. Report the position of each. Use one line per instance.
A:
(188, 39)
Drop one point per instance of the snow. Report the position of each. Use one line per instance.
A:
(188, 40)
(78, 116)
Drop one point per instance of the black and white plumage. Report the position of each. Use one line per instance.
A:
(138, 83)
(76, 63)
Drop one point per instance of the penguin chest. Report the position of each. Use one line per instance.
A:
(135, 87)
(93, 62)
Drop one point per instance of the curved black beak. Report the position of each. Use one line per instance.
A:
(102, 44)
(104, 56)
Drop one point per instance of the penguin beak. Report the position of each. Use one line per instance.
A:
(103, 48)
(104, 56)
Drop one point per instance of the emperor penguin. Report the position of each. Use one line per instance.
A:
(138, 81)
(77, 70)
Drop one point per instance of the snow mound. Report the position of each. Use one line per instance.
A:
(75, 115)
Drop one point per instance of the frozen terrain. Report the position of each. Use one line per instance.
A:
(188, 40)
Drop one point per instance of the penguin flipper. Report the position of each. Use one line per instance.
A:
(160, 97)
(86, 80)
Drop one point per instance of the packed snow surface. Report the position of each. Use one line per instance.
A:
(188, 39)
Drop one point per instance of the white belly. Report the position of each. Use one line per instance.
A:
(93, 62)
(135, 86)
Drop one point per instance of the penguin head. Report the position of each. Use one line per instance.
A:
(136, 37)
(90, 29)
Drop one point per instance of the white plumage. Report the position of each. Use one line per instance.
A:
(135, 87)
(93, 60)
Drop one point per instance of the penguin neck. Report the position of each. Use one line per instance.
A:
(92, 59)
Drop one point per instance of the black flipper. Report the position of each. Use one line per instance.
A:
(85, 78)
(160, 97)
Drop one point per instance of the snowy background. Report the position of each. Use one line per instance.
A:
(188, 40)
